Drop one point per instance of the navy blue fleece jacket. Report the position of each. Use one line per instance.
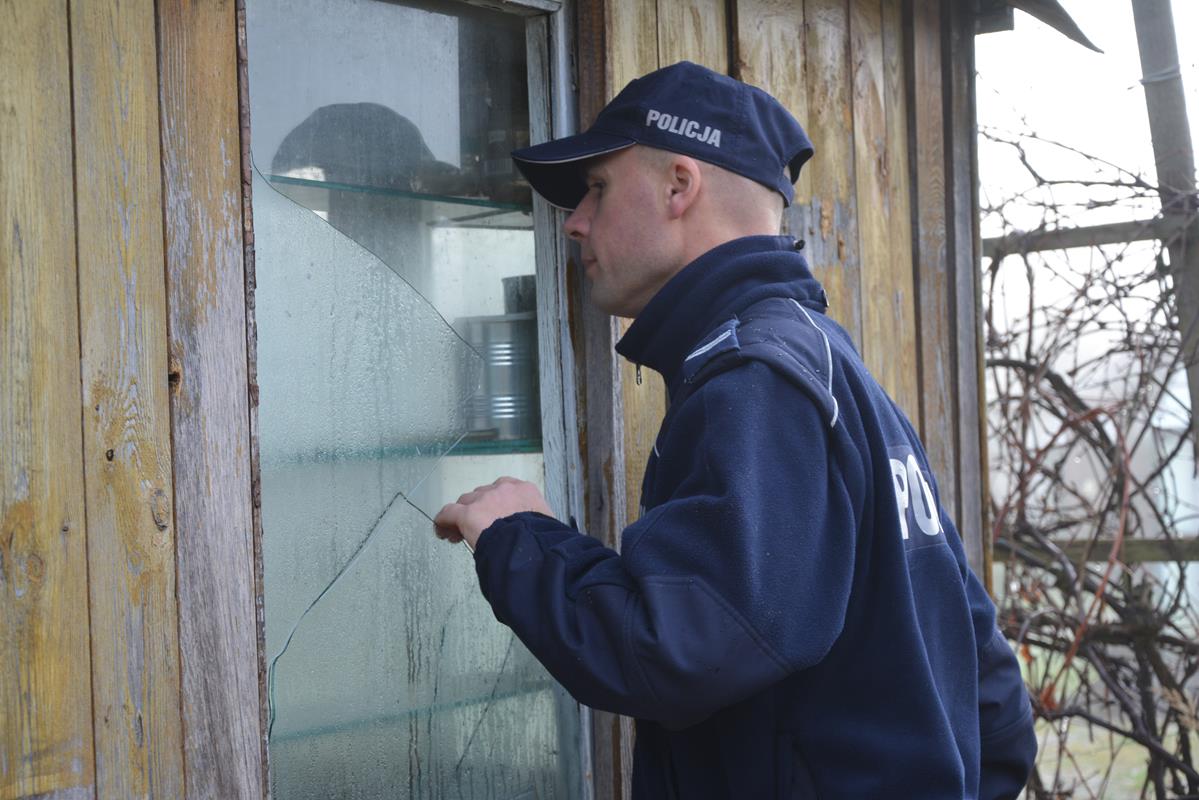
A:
(792, 616)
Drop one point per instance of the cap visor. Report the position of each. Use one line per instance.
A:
(552, 168)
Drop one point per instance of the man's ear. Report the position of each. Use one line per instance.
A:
(685, 179)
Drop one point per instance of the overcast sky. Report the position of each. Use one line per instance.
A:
(1092, 101)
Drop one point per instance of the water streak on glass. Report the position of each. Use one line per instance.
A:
(397, 365)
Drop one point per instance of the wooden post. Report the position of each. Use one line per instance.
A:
(1036, 241)
(1166, 104)
(961, 190)
(126, 412)
(218, 639)
(933, 274)
(901, 297)
(46, 747)
(884, 214)
(833, 244)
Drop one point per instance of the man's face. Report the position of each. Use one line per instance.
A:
(620, 228)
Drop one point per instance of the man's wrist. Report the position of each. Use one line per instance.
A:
(473, 545)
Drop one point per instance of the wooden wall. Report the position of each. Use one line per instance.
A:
(127, 618)
(128, 638)
(886, 207)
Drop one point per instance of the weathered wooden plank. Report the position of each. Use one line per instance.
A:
(966, 316)
(771, 54)
(126, 415)
(693, 30)
(592, 65)
(832, 230)
(1169, 128)
(898, 209)
(938, 418)
(1135, 551)
(45, 692)
(201, 160)
(631, 42)
(247, 205)
(1036, 241)
(871, 167)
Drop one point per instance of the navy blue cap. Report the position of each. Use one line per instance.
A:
(684, 108)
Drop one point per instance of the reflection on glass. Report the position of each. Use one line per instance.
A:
(397, 365)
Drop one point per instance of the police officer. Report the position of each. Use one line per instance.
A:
(793, 615)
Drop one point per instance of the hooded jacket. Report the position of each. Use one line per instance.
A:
(793, 615)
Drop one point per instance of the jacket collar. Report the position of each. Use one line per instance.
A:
(711, 289)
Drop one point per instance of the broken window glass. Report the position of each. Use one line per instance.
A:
(397, 368)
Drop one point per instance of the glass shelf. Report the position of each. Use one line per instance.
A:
(447, 211)
(468, 446)
(484, 447)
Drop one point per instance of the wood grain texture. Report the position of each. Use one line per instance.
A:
(1169, 128)
(898, 208)
(872, 179)
(45, 693)
(631, 42)
(247, 176)
(938, 418)
(126, 414)
(247, 205)
(966, 314)
(591, 65)
(693, 30)
(1135, 551)
(201, 160)
(771, 53)
(832, 224)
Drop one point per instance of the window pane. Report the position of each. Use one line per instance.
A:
(397, 366)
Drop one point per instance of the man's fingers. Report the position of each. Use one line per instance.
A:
(474, 511)
(479, 491)
(445, 524)
(498, 482)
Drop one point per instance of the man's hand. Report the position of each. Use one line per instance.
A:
(474, 511)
